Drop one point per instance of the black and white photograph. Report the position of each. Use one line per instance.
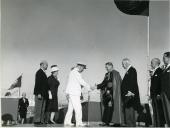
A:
(85, 63)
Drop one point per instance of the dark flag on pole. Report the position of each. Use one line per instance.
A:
(133, 7)
(17, 83)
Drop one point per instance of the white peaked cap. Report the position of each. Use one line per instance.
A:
(82, 64)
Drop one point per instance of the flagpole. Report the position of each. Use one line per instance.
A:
(148, 68)
(20, 87)
(88, 124)
(148, 55)
(19, 92)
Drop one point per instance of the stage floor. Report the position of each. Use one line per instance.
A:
(91, 124)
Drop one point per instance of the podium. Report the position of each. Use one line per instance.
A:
(9, 109)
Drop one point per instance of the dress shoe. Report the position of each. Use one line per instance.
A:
(116, 125)
(71, 124)
(104, 124)
(38, 123)
(81, 125)
(52, 122)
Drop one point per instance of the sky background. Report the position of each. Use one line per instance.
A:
(64, 32)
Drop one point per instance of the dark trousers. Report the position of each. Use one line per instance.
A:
(166, 108)
(130, 119)
(23, 115)
(158, 114)
(107, 114)
(39, 109)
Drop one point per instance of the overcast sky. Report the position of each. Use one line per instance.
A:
(64, 32)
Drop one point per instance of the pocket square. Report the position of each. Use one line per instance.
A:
(156, 75)
(168, 70)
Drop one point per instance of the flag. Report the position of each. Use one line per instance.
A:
(17, 83)
(133, 7)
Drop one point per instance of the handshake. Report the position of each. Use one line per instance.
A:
(130, 94)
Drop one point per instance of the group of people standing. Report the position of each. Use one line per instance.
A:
(120, 97)
(45, 91)
(160, 91)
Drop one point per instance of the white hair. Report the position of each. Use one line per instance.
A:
(127, 60)
(157, 60)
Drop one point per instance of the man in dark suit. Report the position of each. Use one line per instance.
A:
(155, 91)
(165, 87)
(130, 93)
(23, 104)
(41, 93)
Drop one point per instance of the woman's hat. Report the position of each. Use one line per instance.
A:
(54, 69)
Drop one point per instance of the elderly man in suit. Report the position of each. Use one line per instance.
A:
(130, 93)
(41, 92)
(155, 91)
(73, 93)
(165, 87)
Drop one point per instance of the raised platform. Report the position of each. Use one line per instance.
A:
(91, 124)
(91, 111)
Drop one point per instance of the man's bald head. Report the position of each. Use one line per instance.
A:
(155, 62)
(126, 63)
(44, 64)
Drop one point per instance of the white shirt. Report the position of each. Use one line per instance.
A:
(128, 68)
(23, 99)
(75, 81)
(43, 70)
(167, 66)
(155, 70)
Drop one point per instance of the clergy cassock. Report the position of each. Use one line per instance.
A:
(165, 93)
(112, 112)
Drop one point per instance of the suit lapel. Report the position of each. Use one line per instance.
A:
(167, 70)
(127, 72)
(43, 73)
(155, 73)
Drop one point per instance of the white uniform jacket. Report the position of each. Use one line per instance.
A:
(75, 81)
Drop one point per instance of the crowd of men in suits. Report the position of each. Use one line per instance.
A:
(160, 90)
(120, 97)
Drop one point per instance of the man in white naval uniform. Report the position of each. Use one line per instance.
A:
(73, 93)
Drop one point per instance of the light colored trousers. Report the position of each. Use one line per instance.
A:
(74, 104)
